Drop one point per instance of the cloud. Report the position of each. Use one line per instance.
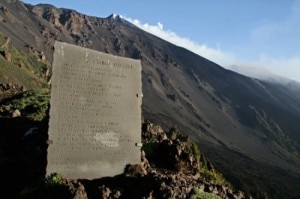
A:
(216, 55)
(269, 68)
(282, 38)
(287, 67)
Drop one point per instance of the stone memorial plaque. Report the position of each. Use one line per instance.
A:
(95, 113)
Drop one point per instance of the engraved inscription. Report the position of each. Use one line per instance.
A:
(95, 114)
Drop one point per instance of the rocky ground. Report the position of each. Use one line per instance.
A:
(171, 164)
(171, 167)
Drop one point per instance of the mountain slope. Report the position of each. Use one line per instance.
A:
(248, 128)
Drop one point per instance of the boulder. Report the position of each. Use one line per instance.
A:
(16, 113)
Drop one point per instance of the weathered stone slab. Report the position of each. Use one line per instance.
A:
(95, 114)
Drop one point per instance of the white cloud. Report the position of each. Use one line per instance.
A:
(216, 55)
(283, 36)
(269, 68)
(288, 67)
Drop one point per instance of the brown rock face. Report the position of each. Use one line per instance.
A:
(7, 56)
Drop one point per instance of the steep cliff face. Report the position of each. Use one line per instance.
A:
(249, 128)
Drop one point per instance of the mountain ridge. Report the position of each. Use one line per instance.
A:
(224, 112)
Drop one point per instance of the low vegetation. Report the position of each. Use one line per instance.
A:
(54, 182)
(32, 104)
(54, 179)
(198, 194)
(23, 69)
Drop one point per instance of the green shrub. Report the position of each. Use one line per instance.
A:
(194, 150)
(33, 104)
(52, 185)
(54, 179)
(212, 175)
(198, 194)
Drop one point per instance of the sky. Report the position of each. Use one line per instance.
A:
(251, 35)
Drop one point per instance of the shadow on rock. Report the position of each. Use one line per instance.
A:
(23, 154)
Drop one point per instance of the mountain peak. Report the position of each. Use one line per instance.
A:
(115, 17)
